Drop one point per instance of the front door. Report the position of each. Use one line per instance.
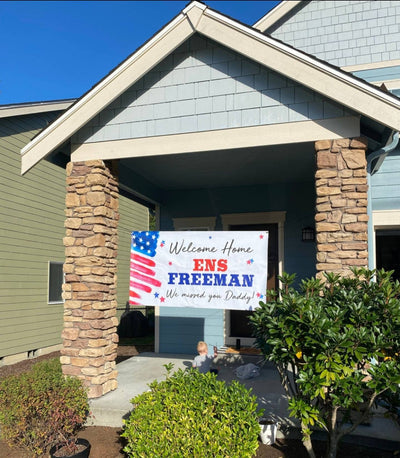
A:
(237, 324)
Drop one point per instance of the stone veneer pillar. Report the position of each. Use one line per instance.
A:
(90, 325)
(341, 208)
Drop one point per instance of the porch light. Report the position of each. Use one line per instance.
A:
(308, 234)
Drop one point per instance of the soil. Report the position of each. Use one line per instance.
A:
(107, 443)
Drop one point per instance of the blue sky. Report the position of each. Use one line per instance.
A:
(59, 49)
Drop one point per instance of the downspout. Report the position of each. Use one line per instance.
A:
(381, 153)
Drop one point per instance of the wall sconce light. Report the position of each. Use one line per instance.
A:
(308, 234)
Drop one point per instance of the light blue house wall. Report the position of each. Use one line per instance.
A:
(386, 184)
(344, 33)
(204, 86)
(390, 72)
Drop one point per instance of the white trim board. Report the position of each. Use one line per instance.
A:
(386, 219)
(31, 108)
(372, 65)
(275, 15)
(244, 137)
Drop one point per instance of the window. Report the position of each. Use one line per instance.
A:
(56, 280)
(386, 240)
(387, 243)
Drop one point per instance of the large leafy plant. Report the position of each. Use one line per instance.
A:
(336, 344)
(193, 415)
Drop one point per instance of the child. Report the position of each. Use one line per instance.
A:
(203, 361)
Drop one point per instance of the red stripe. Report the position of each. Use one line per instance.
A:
(144, 278)
(136, 285)
(140, 268)
(134, 294)
(143, 260)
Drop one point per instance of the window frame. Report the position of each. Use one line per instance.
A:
(49, 274)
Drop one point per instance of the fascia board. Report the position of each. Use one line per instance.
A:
(162, 44)
(275, 15)
(27, 109)
(332, 83)
(217, 140)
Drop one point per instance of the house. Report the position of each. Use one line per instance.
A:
(283, 126)
(31, 234)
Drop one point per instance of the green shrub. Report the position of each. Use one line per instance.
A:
(41, 407)
(193, 415)
(336, 345)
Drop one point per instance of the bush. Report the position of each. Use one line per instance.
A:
(41, 407)
(336, 345)
(193, 415)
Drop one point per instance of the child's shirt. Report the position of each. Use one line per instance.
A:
(203, 363)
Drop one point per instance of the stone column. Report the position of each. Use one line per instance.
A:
(341, 210)
(90, 325)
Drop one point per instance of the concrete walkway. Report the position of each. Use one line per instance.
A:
(135, 374)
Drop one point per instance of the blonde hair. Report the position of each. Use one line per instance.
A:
(202, 346)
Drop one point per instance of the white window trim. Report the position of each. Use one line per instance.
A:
(233, 219)
(48, 282)
(383, 219)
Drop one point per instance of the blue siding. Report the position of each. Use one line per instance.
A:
(203, 86)
(344, 33)
(386, 184)
(380, 74)
(181, 328)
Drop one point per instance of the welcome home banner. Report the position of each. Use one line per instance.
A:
(224, 270)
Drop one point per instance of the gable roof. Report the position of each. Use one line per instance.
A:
(197, 17)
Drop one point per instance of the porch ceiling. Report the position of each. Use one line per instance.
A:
(234, 167)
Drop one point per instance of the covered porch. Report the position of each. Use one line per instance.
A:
(217, 127)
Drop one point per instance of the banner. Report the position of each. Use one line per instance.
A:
(224, 270)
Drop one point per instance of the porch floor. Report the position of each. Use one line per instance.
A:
(134, 375)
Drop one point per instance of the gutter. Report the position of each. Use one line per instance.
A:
(380, 155)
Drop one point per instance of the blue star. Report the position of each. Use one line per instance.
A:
(156, 295)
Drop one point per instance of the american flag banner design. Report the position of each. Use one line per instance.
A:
(142, 273)
(226, 270)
